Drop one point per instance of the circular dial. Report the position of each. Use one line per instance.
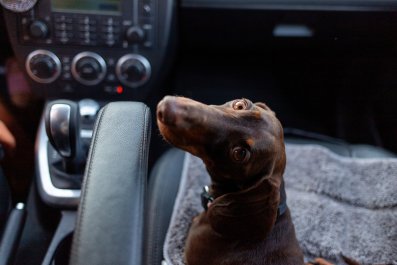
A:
(135, 35)
(133, 70)
(43, 66)
(18, 6)
(38, 30)
(88, 68)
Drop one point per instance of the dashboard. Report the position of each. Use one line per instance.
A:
(103, 49)
(118, 49)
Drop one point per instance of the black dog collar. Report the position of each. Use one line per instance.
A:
(282, 206)
(207, 199)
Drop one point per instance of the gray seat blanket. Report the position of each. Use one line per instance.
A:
(339, 205)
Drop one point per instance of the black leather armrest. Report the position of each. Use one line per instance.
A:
(110, 220)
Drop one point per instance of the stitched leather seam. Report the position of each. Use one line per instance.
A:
(151, 248)
(140, 171)
(75, 252)
(142, 159)
(157, 230)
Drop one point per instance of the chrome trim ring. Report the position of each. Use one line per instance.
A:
(18, 6)
(101, 62)
(141, 60)
(36, 78)
(48, 192)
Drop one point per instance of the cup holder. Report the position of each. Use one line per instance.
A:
(62, 253)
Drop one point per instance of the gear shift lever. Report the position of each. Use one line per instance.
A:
(62, 127)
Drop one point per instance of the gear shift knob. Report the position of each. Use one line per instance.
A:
(62, 127)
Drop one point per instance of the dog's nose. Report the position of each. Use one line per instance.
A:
(160, 114)
(161, 109)
(167, 110)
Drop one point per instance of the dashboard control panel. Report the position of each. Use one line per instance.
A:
(92, 48)
(85, 30)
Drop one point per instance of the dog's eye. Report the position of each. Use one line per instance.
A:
(240, 104)
(240, 154)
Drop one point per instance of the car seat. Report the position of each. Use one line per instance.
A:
(165, 177)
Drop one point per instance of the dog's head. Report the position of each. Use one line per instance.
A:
(239, 141)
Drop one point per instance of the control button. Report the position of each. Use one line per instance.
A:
(114, 90)
(110, 42)
(38, 30)
(87, 35)
(111, 22)
(24, 20)
(148, 44)
(63, 19)
(135, 35)
(110, 29)
(86, 28)
(87, 42)
(66, 76)
(133, 70)
(147, 27)
(127, 23)
(43, 66)
(63, 26)
(68, 88)
(88, 68)
(146, 10)
(63, 34)
(110, 61)
(109, 39)
(66, 59)
(86, 21)
(111, 78)
(63, 40)
(108, 89)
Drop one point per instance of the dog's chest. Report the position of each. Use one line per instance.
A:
(205, 246)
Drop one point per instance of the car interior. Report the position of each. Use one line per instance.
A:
(91, 180)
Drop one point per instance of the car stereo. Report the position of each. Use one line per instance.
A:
(94, 48)
(104, 23)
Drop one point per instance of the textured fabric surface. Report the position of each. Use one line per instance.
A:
(339, 205)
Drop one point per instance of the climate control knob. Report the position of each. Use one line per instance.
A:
(88, 68)
(38, 30)
(133, 70)
(43, 66)
(135, 35)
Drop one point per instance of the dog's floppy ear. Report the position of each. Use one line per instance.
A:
(252, 211)
(262, 105)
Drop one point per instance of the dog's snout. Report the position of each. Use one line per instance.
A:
(184, 113)
(168, 110)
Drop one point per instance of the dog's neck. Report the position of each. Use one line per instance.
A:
(218, 189)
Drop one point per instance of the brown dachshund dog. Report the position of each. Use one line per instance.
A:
(242, 146)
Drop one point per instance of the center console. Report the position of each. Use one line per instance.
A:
(62, 145)
(105, 49)
(90, 52)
